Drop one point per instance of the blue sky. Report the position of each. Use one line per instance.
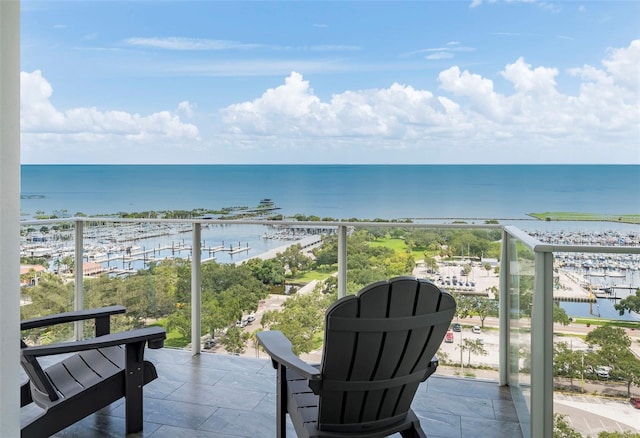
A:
(448, 82)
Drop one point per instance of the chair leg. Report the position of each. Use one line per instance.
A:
(414, 431)
(134, 380)
(281, 402)
(25, 394)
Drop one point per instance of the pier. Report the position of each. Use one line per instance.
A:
(575, 298)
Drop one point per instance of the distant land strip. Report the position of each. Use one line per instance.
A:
(596, 217)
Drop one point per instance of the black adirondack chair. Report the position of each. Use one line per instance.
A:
(378, 347)
(102, 370)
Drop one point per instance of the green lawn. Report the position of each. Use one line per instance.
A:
(572, 216)
(395, 244)
(311, 275)
(174, 338)
(609, 322)
(398, 245)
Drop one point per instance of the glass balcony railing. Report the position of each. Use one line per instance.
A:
(525, 274)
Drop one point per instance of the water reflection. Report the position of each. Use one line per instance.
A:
(603, 308)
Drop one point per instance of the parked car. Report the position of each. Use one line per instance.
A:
(251, 318)
(635, 402)
(209, 343)
(476, 329)
(456, 327)
(603, 372)
(448, 338)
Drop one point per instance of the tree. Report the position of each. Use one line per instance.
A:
(630, 303)
(561, 428)
(57, 263)
(566, 361)
(487, 267)
(608, 336)
(559, 315)
(67, 261)
(627, 368)
(464, 305)
(268, 271)
(483, 307)
(473, 346)
(614, 351)
(235, 340)
(430, 262)
(625, 434)
(293, 259)
(51, 295)
(180, 321)
(214, 317)
(300, 320)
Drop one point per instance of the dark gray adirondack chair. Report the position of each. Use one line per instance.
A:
(378, 347)
(103, 370)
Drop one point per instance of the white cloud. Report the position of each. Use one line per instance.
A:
(465, 120)
(440, 55)
(540, 80)
(85, 131)
(624, 66)
(186, 109)
(535, 122)
(179, 43)
(292, 110)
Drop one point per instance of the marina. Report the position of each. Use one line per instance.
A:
(124, 248)
(584, 284)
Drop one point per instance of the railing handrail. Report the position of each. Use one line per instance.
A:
(336, 223)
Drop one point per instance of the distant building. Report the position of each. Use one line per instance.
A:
(493, 262)
(37, 238)
(34, 270)
(91, 268)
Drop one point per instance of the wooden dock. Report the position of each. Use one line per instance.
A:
(154, 254)
(575, 298)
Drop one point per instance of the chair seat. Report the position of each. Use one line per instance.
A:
(83, 370)
(87, 369)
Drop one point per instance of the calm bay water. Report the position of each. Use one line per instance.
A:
(337, 191)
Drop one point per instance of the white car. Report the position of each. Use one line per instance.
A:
(476, 329)
(603, 372)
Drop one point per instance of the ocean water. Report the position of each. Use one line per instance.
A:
(336, 191)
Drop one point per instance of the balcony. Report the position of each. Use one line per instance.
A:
(201, 393)
(229, 396)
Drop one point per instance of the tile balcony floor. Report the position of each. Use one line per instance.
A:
(224, 396)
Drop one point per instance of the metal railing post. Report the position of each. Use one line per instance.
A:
(196, 288)
(78, 302)
(542, 347)
(504, 313)
(342, 261)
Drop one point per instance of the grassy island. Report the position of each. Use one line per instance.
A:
(596, 217)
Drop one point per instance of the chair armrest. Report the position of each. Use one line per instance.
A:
(431, 368)
(154, 336)
(65, 317)
(278, 347)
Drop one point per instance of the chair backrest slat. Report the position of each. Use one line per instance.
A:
(362, 354)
